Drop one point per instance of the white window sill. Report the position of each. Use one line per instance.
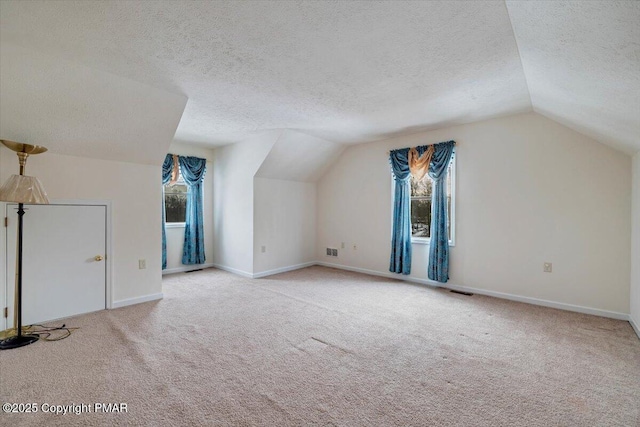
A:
(422, 241)
(175, 225)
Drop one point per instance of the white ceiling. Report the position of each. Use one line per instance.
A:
(296, 156)
(582, 63)
(75, 110)
(351, 72)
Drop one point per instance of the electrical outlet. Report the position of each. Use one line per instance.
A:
(142, 264)
(547, 267)
(328, 251)
(334, 252)
(342, 245)
(263, 249)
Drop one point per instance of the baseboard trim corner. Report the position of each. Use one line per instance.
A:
(233, 270)
(186, 268)
(283, 269)
(635, 326)
(136, 300)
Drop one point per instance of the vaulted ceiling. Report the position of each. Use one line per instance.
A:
(344, 71)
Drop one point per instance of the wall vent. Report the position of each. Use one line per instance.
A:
(332, 252)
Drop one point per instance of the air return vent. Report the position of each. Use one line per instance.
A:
(461, 293)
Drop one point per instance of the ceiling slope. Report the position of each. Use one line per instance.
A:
(75, 110)
(582, 64)
(299, 157)
(344, 71)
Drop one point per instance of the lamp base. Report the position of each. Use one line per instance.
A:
(17, 341)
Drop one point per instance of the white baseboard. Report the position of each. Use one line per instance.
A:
(136, 300)
(635, 326)
(283, 270)
(233, 270)
(511, 297)
(388, 275)
(263, 273)
(186, 268)
(542, 302)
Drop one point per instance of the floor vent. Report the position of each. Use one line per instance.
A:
(191, 271)
(461, 293)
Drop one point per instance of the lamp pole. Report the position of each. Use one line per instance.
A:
(23, 162)
(19, 279)
(21, 189)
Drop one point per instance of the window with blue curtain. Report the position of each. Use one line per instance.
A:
(192, 171)
(438, 166)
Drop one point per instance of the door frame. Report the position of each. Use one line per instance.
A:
(3, 268)
(4, 280)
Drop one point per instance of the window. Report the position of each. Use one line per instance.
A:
(175, 201)
(421, 192)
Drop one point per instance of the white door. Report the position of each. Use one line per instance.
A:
(61, 275)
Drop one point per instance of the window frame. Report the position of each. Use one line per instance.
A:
(452, 220)
(180, 181)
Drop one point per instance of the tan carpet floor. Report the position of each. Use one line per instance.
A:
(320, 346)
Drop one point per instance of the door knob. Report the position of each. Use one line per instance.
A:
(98, 257)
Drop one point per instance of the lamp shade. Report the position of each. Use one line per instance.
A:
(23, 189)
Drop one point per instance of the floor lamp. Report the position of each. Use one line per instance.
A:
(21, 189)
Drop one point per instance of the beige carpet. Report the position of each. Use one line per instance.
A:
(325, 347)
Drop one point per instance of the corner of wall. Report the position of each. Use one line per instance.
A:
(634, 297)
(234, 168)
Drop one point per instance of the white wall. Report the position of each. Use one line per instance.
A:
(234, 167)
(635, 248)
(135, 195)
(265, 195)
(528, 191)
(285, 201)
(175, 235)
(285, 223)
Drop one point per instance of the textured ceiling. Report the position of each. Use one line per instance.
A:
(582, 64)
(343, 71)
(354, 71)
